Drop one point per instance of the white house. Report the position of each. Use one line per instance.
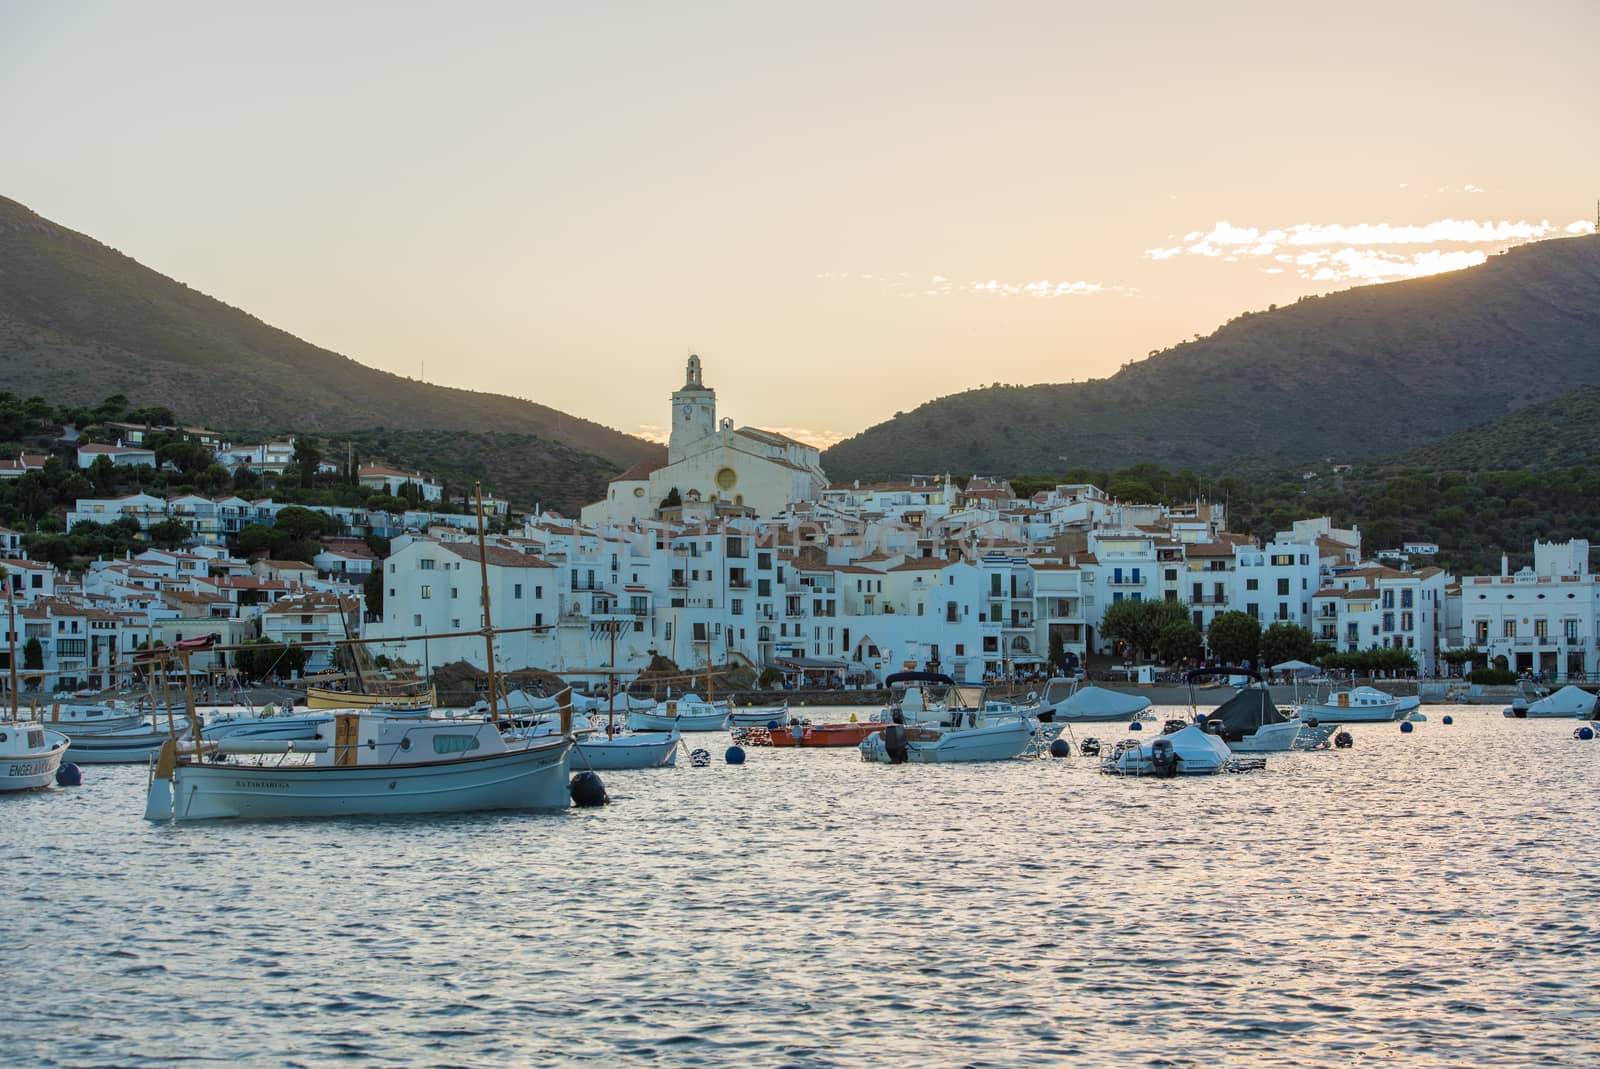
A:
(381, 479)
(129, 456)
(1540, 619)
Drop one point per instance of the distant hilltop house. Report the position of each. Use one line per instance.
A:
(268, 458)
(713, 468)
(135, 434)
(123, 456)
(380, 479)
(18, 466)
(1342, 469)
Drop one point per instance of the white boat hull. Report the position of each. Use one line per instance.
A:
(988, 742)
(1199, 754)
(1097, 705)
(528, 777)
(30, 771)
(1269, 738)
(714, 721)
(651, 750)
(269, 727)
(759, 717)
(121, 748)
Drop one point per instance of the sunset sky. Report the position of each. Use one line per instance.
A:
(845, 209)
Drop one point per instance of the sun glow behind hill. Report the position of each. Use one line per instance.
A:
(1363, 252)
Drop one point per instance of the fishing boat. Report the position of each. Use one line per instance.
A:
(1188, 751)
(1071, 701)
(75, 718)
(373, 765)
(1355, 706)
(269, 722)
(122, 746)
(952, 729)
(1249, 722)
(29, 753)
(1566, 703)
(365, 761)
(688, 713)
(418, 701)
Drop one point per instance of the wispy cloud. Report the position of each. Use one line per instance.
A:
(1362, 252)
(906, 284)
(652, 432)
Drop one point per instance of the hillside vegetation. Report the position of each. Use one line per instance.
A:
(79, 321)
(1492, 489)
(1360, 373)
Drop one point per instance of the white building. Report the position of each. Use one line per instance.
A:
(1540, 619)
(713, 468)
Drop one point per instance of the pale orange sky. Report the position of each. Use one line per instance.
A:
(846, 209)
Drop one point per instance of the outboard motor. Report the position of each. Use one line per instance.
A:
(1344, 740)
(1089, 747)
(894, 743)
(1163, 758)
(1172, 727)
(1212, 726)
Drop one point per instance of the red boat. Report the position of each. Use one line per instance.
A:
(826, 734)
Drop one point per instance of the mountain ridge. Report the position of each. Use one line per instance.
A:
(1309, 380)
(80, 320)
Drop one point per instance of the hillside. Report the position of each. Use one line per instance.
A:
(1557, 433)
(1363, 372)
(80, 321)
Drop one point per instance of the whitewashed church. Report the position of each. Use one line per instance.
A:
(713, 467)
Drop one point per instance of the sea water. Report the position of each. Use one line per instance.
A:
(1423, 899)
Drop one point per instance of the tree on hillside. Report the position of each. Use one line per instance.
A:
(1286, 642)
(1234, 637)
(307, 456)
(298, 524)
(169, 534)
(103, 474)
(372, 586)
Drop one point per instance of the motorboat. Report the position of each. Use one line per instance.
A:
(1188, 751)
(760, 716)
(953, 729)
(269, 722)
(78, 718)
(30, 754)
(1566, 703)
(1358, 705)
(1249, 722)
(688, 713)
(801, 734)
(123, 746)
(405, 699)
(1071, 701)
(363, 763)
(604, 751)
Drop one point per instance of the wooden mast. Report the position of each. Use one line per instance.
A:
(11, 607)
(488, 626)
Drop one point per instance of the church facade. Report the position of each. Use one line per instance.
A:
(713, 467)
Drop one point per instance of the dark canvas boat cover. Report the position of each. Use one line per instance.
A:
(1241, 714)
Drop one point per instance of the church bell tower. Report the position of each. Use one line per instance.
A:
(694, 413)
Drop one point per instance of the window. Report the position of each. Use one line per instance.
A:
(516, 590)
(1408, 621)
(1283, 588)
(425, 564)
(736, 606)
(427, 591)
(1253, 609)
(1388, 621)
(455, 625)
(1541, 628)
(416, 621)
(1172, 575)
(1282, 560)
(538, 592)
(1252, 584)
(1482, 631)
(453, 592)
(1405, 598)
(1509, 629)
(454, 743)
(1283, 610)
(392, 592)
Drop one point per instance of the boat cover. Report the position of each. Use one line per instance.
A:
(1241, 714)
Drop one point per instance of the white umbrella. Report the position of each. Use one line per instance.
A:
(1294, 666)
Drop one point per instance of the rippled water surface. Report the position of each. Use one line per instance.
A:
(1419, 900)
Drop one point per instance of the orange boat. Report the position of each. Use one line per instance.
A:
(826, 734)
